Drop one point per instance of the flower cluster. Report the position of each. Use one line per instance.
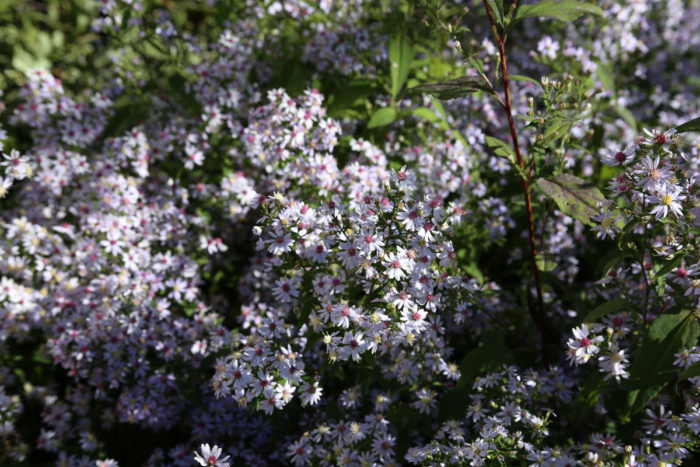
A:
(353, 269)
(248, 237)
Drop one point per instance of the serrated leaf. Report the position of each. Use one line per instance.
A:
(653, 366)
(382, 117)
(604, 309)
(692, 125)
(573, 196)
(400, 56)
(457, 87)
(562, 10)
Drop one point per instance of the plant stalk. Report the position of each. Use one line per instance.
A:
(539, 315)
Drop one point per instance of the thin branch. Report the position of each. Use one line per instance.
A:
(526, 189)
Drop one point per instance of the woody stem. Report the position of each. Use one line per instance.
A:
(538, 316)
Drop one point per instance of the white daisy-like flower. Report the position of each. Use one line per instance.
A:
(667, 199)
(615, 158)
(209, 457)
(606, 224)
(581, 347)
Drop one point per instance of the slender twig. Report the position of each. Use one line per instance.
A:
(540, 318)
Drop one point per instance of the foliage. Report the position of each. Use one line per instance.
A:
(349, 232)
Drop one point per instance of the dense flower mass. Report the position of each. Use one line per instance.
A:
(349, 233)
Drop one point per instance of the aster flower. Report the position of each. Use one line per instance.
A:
(279, 243)
(5, 184)
(16, 165)
(548, 47)
(286, 290)
(425, 400)
(655, 177)
(667, 199)
(581, 347)
(300, 452)
(209, 457)
(398, 266)
(354, 345)
(311, 393)
(658, 136)
(383, 445)
(658, 423)
(687, 357)
(614, 364)
(606, 227)
(615, 158)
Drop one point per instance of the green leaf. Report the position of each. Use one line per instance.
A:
(125, 19)
(347, 97)
(545, 262)
(653, 366)
(178, 84)
(691, 372)
(400, 56)
(500, 147)
(573, 196)
(457, 87)
(439, 107)
(496, 7)
(605, 76)
(382, 117)
(426, 113)
(660, 275)
(491, 353)
(473, 270)
(524, 78)
(583, 407)
(626, 234)
(604, 309)
(445, 122)
(627, 116)
(503, 149)
(661, 285)
(692, 125)
(670, 265)
(127, 116)
(562, 10)
(557, 129)
(25, 62)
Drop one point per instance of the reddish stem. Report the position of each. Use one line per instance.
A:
(539, 316)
